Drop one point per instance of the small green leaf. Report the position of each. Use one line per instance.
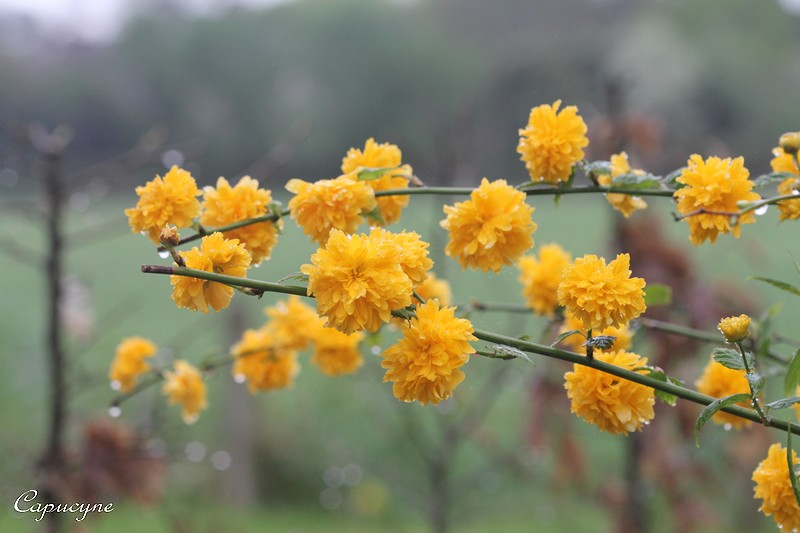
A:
(564, 185)
(712, 408)
(729, 358)
(765, 179)
(369, 174)
(635, 181)
(779, 284)
(756, 382)
(657, 294)
(597, 167)
(297, 276)
(671, 179)
(504, 350)
(375, 215)
(783, 403)
(565, 335)
(792, 378)
(601, 342)
(790, 465)
(657, 373)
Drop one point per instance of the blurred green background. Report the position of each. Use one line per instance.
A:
(282, 91)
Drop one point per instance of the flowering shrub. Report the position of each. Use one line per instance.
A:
(366, 281)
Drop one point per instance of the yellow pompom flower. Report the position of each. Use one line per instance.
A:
(434, 287)
(425, 364)
(324, 205)
(411, 251)
(552, 142)
(225, 205)
(784, 162)
(623, 334)
(612, 404)
(129, 362)
(357, 281)
(216, 254)
(540, 277)
(336, 353)
(184, 385)
(774, 489)
(171, 200)
(262, 363)
(624, 203)
(381, 155)
(292, 323)
(601, 295)
(714, 185)
(492, 229)
(719, 381)
(735, 328)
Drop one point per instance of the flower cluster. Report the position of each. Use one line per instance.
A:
(774, 488)
(709, 200)
(381, 156)
(216, 254)
(540, 277)
(262, 362)
(492, 229)
(552, 142)
(184, 385)
(129, 362)
(425, 364)
(171, 200)
(358, 280)
(601, 295)
(612, 404)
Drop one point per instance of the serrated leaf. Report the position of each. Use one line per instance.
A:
(635, 181)
(565, 335)
(756, 382)
(783, 403)
(657, 373)
(601, 342)
(765, 179)
(779, 284)
(712, 408)
(729, 358)
(790, 465)
(369, 174)
(792, 378)
(297, 276)
(657, 294)
(505, 350)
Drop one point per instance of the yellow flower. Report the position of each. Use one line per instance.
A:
(216, 254)
(225, 205)
(612, 404)
(168, 201)
(411, 252)
(719, 381)
(575, 342)
(261, 362)
(425, 364)
(357, 281)
(714, 185)
(552, 142)
(624, 203)
(433, 287)
(129, 362)
(492, 229)
(541, 276)
(783, 162)
(185, 386)
(774, 488)
(292, 323)
(327, 204)
(337, 353)
(600, 295)
(735, 328)
(381, 155)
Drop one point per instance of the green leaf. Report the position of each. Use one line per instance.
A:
(792, 378)
(671, 179)
(712, 408)
(565, 185)
(504, 350)
(565, 335)
(756, 382)
(375, 216)
(779, 284)
(369, 174)
(790, 465)
(601, 342)
(297, 276)
(657, 373)
(657, 294)
(765, 179)
(783, 403)
(635, 181)
(597, 167)
(729, 358)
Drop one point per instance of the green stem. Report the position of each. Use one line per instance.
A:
(236, 225)
(545, 191)
(259, 286)
(768, 201)
(753, 392)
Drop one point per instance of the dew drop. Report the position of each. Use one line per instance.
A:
(142, 232)
(163, 254)
(239, 378)
(221, 460)
(195, 451)
(727, 427)
(256, 265)
(762, 210)
(114, 411)
(376, 350)
(115, 385)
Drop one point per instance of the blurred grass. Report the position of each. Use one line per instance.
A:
(321, 421)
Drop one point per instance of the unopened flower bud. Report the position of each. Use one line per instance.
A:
(790, 142)
(169, 236)
(735, 328)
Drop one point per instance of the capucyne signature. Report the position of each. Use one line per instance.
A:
(23, 505)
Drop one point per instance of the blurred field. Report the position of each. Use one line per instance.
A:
(298, 434)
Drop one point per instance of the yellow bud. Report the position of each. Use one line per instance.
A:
(790, 142)
(735, 328)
